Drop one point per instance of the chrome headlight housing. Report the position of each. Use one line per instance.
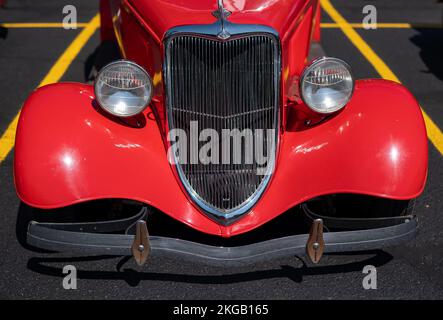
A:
(123, 88)
(326, 85)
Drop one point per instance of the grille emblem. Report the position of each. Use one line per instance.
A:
(222, 14)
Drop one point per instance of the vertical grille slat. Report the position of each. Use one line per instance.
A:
(223, 85)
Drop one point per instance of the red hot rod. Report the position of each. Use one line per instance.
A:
(221, 134)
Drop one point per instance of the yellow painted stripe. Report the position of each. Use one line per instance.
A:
(386, 25)
(38, 25)
(326, 25)
(57, 71)
(360, 25)
(434, 133)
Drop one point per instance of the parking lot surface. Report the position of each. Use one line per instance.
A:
(412, 48)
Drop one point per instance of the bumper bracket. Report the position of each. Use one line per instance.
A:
(141, 247)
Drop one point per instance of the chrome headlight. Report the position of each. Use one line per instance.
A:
(123, 88)
(327, 85)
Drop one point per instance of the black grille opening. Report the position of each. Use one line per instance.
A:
(224, 85)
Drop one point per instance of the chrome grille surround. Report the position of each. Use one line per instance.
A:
(238, 34)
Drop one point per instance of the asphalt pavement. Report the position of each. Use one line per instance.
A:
(414, 270)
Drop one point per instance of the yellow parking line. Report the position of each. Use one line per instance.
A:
(327, 25)
(360, 25)
(57, 71)
(39, 25)
(434, 133)
(385, 25)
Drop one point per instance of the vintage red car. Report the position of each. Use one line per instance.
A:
(222, 135)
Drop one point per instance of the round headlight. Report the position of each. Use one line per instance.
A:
(123, 88)
(327, 85)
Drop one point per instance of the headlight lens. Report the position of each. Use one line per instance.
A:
(123, 88)
(327, 85)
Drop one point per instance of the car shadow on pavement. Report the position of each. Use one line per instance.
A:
(126, 270)
(133, 277)
(430, 43)
(104, 53)
(3, 32)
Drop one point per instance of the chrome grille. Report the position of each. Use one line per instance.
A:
(224, 85)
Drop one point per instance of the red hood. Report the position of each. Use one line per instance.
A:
(161, 15)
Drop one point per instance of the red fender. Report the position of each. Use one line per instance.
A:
(68, 151)
(106, 25)
(316, 36)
